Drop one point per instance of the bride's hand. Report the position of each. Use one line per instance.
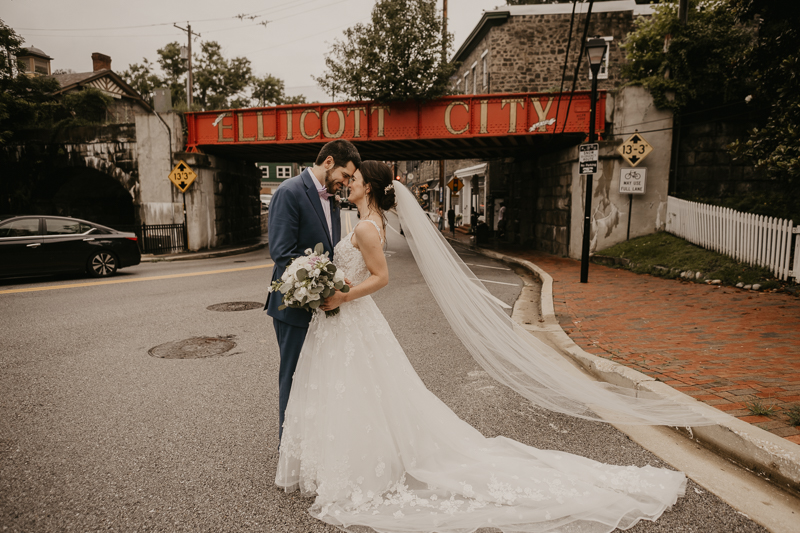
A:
(333, 301)
(348, 282)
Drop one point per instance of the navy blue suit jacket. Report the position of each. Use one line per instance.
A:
(297, 222)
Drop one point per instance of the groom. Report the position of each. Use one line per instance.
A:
(302, 214)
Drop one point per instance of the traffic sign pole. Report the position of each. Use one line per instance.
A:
(587, 211)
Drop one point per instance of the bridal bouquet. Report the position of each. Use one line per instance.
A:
(308, 280)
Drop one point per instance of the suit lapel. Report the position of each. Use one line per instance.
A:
(313, 196)
(336, 223)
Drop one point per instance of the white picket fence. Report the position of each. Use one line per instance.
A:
(773, 243)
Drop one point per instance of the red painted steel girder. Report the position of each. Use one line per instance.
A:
(452, 127)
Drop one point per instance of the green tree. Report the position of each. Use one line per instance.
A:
(175, 69)
(269, 90)
(773, 64)
(690, 65)
(400, 55)
(141, 77)
(221, 82)
(24, 101)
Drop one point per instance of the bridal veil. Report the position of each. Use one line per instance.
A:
(512, 355)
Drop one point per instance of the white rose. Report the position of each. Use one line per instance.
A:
(308, 251)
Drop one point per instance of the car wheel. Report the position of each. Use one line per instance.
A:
(102, 264)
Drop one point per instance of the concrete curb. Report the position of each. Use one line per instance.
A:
(190, 256)
(760, 451)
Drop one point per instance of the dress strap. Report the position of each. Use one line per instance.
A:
(376, 227)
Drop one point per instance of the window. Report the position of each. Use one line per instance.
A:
(283, 172)
(55, 226)
(466, 83)
(25, 227)
(458, 87)
(603, 74)
(41, 66)
(485, 71)
(475, 88)
(264, 172)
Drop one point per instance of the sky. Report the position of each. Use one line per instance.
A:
(292, 46)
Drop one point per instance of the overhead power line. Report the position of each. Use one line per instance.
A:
(243, 16)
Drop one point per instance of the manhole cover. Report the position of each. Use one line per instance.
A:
(236, 306)
(194, 348)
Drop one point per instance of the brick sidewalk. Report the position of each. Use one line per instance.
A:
(724, 346)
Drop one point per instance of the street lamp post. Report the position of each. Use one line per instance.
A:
(595, 51)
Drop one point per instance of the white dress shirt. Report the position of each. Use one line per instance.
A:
(326, 204)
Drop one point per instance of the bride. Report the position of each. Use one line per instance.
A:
(376, 449)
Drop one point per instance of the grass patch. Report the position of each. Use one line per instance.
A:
(794, 415)
(665, 255)
(758, 408)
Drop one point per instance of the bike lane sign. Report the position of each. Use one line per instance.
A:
(632, 180)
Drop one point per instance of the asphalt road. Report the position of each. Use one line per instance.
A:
(96, 434)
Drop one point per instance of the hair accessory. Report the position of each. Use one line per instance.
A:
(388, 188)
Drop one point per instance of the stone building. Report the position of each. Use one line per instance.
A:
(35, 62)
(126, 101)
(517, 49)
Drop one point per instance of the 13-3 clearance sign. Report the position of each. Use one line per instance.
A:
(449, 117)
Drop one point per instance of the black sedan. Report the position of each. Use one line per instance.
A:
(34, 245)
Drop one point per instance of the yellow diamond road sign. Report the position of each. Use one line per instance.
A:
(455, 185)
(635, 149)
(182, 176)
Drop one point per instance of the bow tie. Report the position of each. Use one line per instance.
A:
(323, 193)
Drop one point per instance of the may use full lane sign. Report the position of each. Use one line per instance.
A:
(588, 158)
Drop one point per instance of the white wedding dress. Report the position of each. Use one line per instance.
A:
(377, 449)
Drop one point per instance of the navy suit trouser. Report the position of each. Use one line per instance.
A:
(290, 342)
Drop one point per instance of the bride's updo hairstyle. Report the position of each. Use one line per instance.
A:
(379, 178)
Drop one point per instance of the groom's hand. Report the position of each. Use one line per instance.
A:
(333, 301)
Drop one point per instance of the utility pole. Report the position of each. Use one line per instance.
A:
(444, 60)
(190, 84)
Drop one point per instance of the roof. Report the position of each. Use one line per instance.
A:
(500, 15)
(79, 79)
(33, 51)
(470, 171)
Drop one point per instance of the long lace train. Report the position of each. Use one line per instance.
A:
(377, 449)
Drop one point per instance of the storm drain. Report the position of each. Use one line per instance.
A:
(236, 306)
(194, 348)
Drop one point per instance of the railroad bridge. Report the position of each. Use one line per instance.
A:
(453, 127)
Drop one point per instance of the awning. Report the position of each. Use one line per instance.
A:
(469, 172)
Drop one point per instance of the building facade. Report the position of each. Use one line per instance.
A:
(530, 48)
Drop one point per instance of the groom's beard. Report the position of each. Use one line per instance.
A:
(330, 184)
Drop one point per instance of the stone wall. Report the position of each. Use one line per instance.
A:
(705, 169)
(554, 174)
(514, 180)
(526, 53)
(160, 201)
(222, 205)
(237, 205)
(44, 170)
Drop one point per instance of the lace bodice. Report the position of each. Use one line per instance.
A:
(348, 258)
